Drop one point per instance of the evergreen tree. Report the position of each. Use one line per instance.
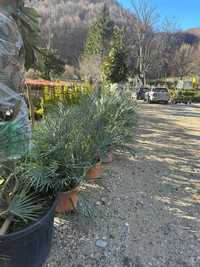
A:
(98, 39)
(115, 68)
(96, 47)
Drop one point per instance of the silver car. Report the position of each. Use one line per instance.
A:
(157, 95)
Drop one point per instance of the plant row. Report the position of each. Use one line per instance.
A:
(65, 146)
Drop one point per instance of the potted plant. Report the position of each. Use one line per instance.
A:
(107, 120)
(65, 145)
(26, 216)
(118, 119)
(91, 136)
(26, 224)
(113, 120)
(28, 194)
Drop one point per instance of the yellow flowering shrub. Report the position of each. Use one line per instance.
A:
(60, 92)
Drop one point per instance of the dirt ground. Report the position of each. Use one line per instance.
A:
(148, 206)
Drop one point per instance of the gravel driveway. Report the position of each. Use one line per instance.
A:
(147, 206)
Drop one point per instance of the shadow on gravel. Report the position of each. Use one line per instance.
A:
(164, 141)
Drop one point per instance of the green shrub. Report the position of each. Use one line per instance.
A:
(184, 95)
(44, 97)
(59, 155)
(109, 119)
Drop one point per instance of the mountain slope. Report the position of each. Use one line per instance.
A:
(65, 23)
(194, 31)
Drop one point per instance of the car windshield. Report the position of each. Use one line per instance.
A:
(160, 90)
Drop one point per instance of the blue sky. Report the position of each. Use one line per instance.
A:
(185, 12)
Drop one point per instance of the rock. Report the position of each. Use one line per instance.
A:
(166, 229)
(100, 243)
(112, 236)
(128, 262)
(98, 203)
(139, 204)
(103, 201)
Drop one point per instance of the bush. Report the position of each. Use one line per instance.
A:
(108, 118)
(43, 97)
(184, 95)
(59, 155)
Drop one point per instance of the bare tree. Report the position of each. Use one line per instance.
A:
(146, 17)
(184, 59)
(170, 33)
(195, 65)
(170, 25)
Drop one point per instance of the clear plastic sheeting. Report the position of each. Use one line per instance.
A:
(15, 128)
(11, 52)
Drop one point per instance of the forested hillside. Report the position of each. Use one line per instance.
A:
(65, 23)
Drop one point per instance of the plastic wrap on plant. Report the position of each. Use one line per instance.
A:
(11, 52)
(15, 129)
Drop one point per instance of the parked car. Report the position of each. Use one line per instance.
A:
(140, 94)
(157, 95)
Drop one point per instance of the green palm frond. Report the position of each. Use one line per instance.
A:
(26, 207)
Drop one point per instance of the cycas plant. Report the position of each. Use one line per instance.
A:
(115, 112)
(55, 162)
(107, 118)
(18, 202)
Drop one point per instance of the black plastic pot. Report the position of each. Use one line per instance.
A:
(29, 247)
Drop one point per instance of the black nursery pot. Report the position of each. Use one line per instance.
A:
(29, 247)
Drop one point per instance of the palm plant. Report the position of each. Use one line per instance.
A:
(56, 162)
(18, 202)
(121, 113)
(109, 117)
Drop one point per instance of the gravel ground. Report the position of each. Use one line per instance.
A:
(147, 206)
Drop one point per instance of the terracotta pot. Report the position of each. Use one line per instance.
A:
(67, 201)
(95, 171)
